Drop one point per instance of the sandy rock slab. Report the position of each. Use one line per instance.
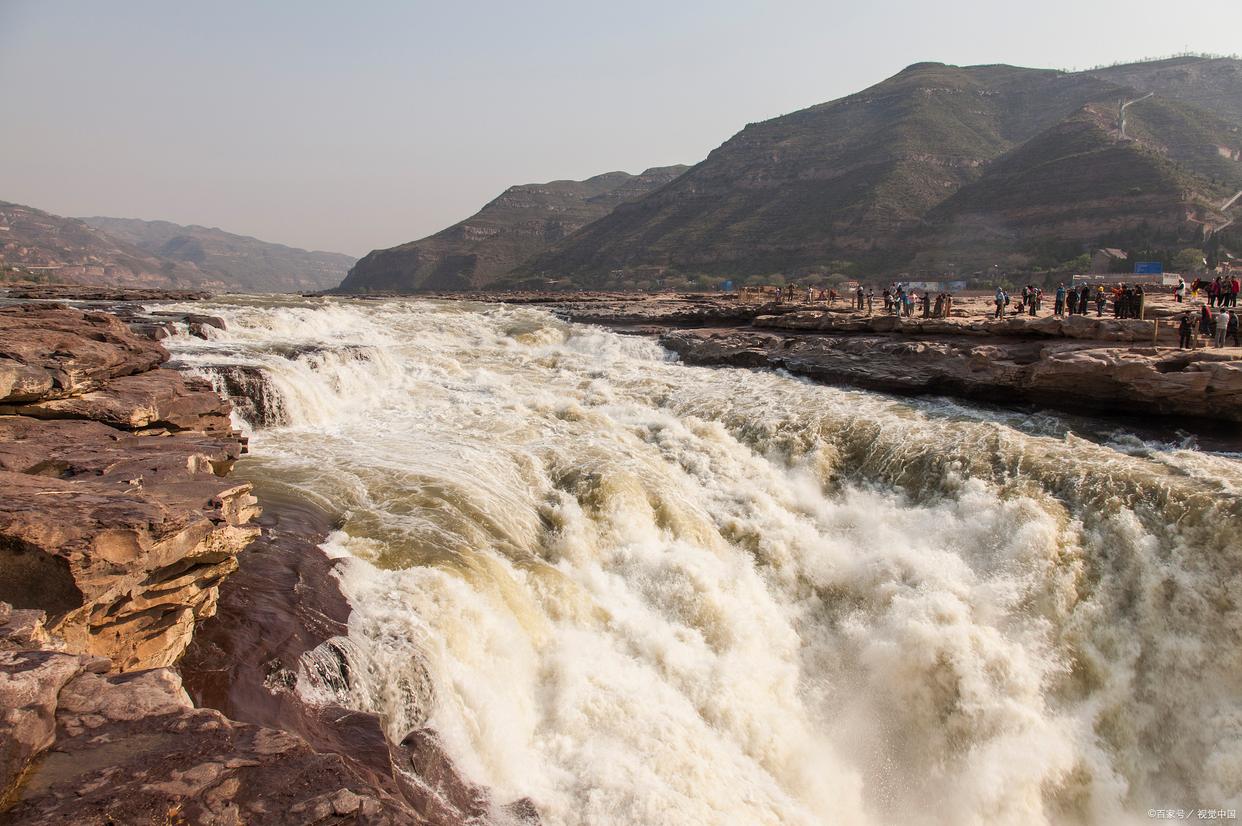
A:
(159, 400)
(1127, 380)
(132, 749)
(120, 539)
(50, 352)
(123, 567)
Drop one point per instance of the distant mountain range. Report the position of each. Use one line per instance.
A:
(937, 169)
(488, 245)
(130, 252)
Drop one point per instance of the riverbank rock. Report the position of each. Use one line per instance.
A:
(52, 352)
(156, 401)
(120, 536)
(82, 292)
(118, 526)
(1084, 375)
(132, 749)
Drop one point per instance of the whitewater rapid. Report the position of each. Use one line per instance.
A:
(644, 593)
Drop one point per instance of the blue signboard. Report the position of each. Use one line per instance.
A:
(1148, 268)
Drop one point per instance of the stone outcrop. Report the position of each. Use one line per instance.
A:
(133, 749)
(82, 292)
(115, 518)
(1060, 374)
(1080, 327)
(118, 525)
(52, 352)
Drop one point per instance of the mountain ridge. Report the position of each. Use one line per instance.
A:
(847, 182)
(518, 223)
(228, 259)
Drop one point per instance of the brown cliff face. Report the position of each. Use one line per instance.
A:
(116, 518)
(118, 526)
(523, 221)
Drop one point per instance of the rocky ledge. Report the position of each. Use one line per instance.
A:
(82, 292)
(118, 525)
(1083, 362)
(1085, 375)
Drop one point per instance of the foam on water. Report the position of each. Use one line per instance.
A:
(645, 593)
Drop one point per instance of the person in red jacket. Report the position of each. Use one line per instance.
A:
(1233, 291)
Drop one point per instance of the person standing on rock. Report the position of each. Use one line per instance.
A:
(938, 312)
(859, 296)
(1234, 285)
(1205, 322)
(999, 298)
(1059, 307)
(1179, 292)
(1231, 329)
(870, 300)
(1186, 333)
(926, 304)
(1140, 302)
(1100, 301)
(1222, 326)
(1071, 302)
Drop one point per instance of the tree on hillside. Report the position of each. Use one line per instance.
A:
(1188, 260)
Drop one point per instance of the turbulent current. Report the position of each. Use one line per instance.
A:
(645, 593)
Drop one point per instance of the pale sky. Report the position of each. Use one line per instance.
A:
(350, 126)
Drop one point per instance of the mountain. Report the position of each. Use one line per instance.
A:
(68, 250)
(225, 260)
(523, 221)
(869, 180)
(1076, 185)
(1211, 84)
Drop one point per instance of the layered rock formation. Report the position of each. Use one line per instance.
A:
(1139, 381)
(1093, 363)
(118, 525)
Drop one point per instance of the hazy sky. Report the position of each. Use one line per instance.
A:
(350, 126)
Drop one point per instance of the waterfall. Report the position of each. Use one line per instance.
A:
(641, 592)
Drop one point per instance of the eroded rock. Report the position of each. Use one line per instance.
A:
(52, 352)
(1087, 375)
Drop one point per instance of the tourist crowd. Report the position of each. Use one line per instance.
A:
(1217, 319)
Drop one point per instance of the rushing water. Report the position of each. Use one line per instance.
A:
(645, 593)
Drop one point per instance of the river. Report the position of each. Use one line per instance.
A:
(645, 593)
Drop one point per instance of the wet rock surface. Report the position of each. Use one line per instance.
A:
(118, 526)
(1080, 375)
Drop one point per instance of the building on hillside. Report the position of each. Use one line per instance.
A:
(1102, 259)
(1167, 279)
(936, 286)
